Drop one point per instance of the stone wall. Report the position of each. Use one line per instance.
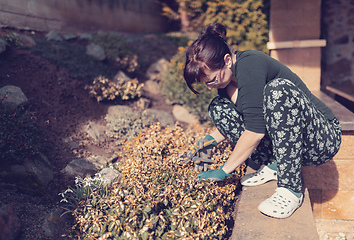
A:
(72, 16)
(338, 30)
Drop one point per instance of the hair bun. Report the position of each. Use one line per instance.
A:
(216, 29)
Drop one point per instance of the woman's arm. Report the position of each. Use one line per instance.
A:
(217, 135)
(243, 149)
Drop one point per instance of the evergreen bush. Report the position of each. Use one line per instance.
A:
(127, 123)
(117, 50)
(245, 20)
(20, 136)
(72, 57)
(246, 24)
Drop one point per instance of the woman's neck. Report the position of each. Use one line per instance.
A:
(232, 90)
(234, 57)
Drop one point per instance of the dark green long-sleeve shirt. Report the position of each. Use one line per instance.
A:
(252, 71)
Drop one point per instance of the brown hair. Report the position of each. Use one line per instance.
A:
(207, 51)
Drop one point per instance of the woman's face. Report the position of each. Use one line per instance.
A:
(219, 78)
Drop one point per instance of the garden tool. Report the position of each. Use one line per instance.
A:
(200, 154)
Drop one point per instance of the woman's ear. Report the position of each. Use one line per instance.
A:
(228, 60)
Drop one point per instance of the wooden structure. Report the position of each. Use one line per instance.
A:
(295, 41)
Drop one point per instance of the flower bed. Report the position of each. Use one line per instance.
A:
(158, 198)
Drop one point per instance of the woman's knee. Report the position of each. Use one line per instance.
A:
(215, 102)
(220, 106)
(279, 84)
(277, 91)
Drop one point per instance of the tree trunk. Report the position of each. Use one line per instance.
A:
(184, 16)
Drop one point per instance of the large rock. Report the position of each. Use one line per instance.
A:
(96, 131)
(121, 78)
(87, 166)
(53, 224)
(95, 51)
(53, 36)
(152, 87)
(41, 170)
(183, 115)
(118, 109)
(98, 161)
(10, 224)
(12, 96)
(157, 69)
(110, 176)
(87, 36)
(80, 167)
(165, 118)
(73, 145)
(33, 176)
(69, 36)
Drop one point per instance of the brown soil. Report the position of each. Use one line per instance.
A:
(62, 107)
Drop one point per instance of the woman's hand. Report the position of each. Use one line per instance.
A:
(214, 175)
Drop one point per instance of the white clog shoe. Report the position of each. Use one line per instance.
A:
(262, 175)
(281, 204)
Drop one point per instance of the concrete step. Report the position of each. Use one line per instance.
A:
(252, 224)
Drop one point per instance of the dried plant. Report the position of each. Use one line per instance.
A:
(13, 40)
(128, 62)
(103, 88)
(159, 198)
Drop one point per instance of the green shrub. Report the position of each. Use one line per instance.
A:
(73, 58)
(117, 50)
(20, 137)
(175, 89)
(158, 198)
(246, 24)
(179, 38)
(128, 123)
(190, 13)
(245, 20)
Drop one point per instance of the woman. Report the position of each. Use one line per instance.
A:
(267, 112)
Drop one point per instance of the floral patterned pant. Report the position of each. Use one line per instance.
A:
(297, 133)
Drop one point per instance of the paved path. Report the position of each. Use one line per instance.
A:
(251, 224)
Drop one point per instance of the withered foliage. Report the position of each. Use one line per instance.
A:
(158, 198)
(103, 88)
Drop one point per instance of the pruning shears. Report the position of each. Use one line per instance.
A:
(199, 154)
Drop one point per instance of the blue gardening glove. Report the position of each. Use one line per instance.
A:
(207, 141)
(200, 153)
(213, 175)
